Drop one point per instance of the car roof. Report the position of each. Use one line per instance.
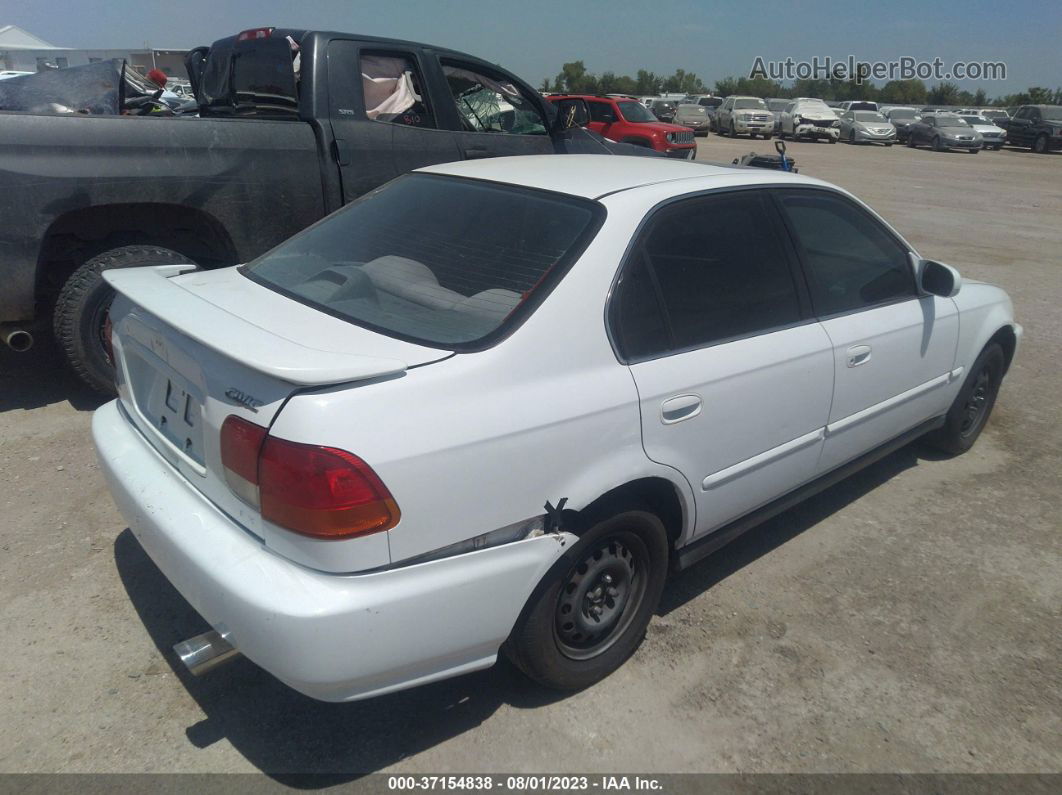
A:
(594, 176)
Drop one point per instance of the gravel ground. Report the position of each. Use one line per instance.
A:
(907, 619)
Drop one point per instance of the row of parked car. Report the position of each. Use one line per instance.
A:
(1038, 127)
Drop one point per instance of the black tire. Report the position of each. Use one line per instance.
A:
(888, 144)
(81, 310)
(972, 407)
(911, 142)
(851, 136)
(733, 132)
(1039, 145)
(832, 140)
(553, 642)
(973, 151)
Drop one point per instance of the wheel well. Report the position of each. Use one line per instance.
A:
(1008, 341)
(657, 494)
(638, 142)
(79, 235)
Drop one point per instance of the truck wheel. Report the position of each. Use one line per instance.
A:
(969, 412)
(81, 311)
(1040, 144)
(590, 611)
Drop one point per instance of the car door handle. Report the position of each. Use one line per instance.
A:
(679, 408)
(476, 153)
(858, 354)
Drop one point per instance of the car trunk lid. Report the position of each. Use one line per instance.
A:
(192, 349)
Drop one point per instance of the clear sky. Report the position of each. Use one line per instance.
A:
(533, 38)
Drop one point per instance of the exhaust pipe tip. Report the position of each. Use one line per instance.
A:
(18, 340)
(205, 652)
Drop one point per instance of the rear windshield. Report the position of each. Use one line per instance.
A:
(442, 261)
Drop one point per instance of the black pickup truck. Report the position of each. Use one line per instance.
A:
(1038, 127)
(291, 125)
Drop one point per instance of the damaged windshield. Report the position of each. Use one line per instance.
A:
(438, 260)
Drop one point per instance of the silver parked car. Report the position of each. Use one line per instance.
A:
(993, 136)
(867, 126)
(944, 131)
(693, 116)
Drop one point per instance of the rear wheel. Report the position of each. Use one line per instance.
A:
(972, 407)
(81, 313)
(590, 611)
(851, 137)
(938, 146)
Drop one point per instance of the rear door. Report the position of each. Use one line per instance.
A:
(494, 115)
(893, 350)
(383, 116)
(734, 377)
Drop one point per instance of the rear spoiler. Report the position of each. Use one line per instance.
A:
(152, 288)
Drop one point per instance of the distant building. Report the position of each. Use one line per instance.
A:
(21, 51)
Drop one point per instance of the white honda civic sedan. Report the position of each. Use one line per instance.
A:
(491, 404)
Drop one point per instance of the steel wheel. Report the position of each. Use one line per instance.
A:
(973, 411)
(600, 596)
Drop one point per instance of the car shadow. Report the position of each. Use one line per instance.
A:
(294, 739)
(40, 377)
(305, 743)
(770, 535)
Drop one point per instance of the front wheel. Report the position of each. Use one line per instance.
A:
(937, 145)
(590, 611)
(81, 312)
(910, 142)
(1040, 145)
(969, 412)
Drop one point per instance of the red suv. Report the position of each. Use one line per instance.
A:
(628, 121)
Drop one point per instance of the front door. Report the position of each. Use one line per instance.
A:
(495, 117)
(893, 350)
(733, 375)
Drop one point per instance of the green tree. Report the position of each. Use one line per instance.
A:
(647, 83)
(980, 98)
(943, 94)
(904, 92)
(809, 87)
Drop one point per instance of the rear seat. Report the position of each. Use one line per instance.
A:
(414, 281)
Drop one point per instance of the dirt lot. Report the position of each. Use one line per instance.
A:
(905, 620)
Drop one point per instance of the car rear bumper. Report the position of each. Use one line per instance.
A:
(331, 637)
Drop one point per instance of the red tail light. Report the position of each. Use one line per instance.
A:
(316, 491)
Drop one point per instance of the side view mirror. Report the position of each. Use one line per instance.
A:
(935, 278)
(571, 113)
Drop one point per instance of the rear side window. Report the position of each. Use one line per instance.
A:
(442, 261)
(852, 261)
(708, 269)
(393, 90)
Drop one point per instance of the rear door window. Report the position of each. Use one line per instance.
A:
(706, 270)
(393, 89)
